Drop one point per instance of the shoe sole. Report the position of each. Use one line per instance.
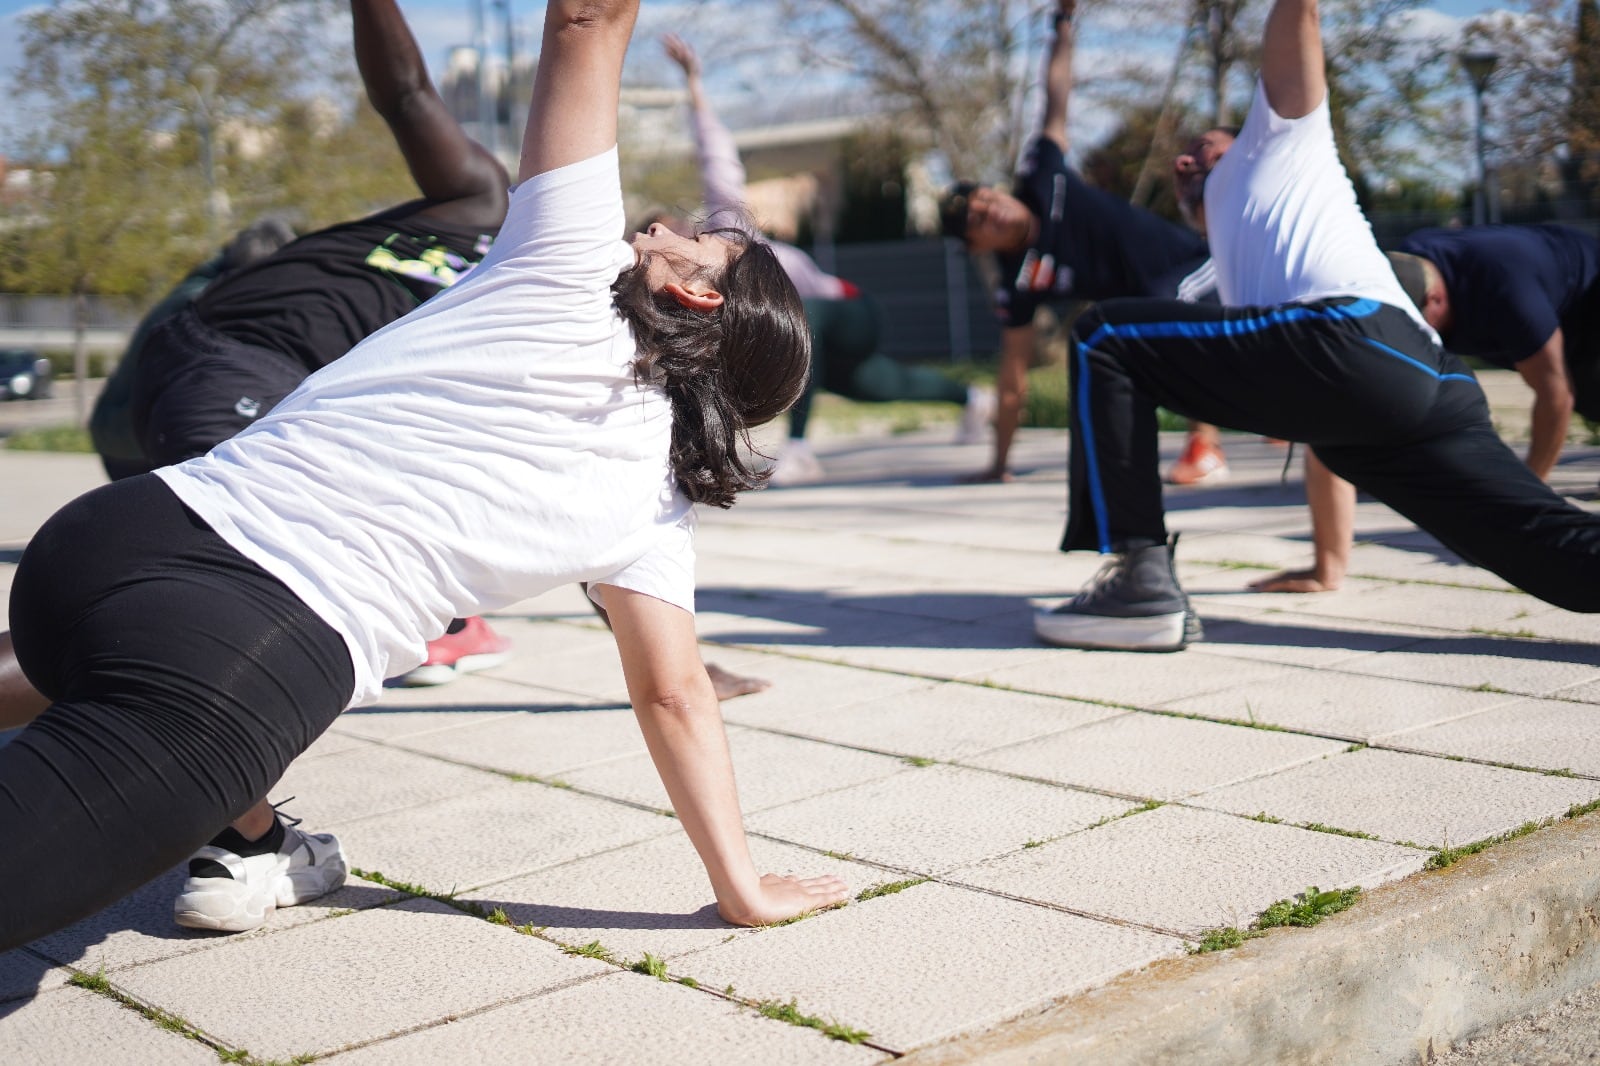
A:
(442, 674)
(1210, 477)
(1166, 632)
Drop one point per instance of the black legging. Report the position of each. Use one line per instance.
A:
(1384, 407)
(184, 678)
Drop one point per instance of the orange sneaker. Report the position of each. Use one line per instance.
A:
(1201, 463)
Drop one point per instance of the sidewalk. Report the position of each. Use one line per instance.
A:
(1040, 821)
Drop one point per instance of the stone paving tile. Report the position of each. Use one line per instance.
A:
(353, 979)
(1441, 607)
(593, 671)
(928, 962)
(771, 769)
(24, 975)
(1588, 692)
(1555, 624)
(1335, 704)
(544, 744)
(490, 835)
(71, 1027)
(951, 720)
(651, 897)
(1236, 547)
(930, 819)
(139, 928)
(801, 687)
(1532, 667)
(1188, 870)
(373, 780)
(976, 651)
(1543, 734)
(1400, 797)
(620, 1020)
(1297, 639)
(1131, 679)
(405, 712)
(1156, 756)
(808, 624)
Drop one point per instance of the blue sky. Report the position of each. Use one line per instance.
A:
(441, 24)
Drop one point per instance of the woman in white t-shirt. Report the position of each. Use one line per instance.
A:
(551, 418)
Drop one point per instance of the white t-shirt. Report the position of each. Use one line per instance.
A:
(489, 446)
(1283, 222)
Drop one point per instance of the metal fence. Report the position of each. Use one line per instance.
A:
(58, 312)
(935, 305)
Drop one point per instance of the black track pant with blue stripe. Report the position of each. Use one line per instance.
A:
(1359, 381)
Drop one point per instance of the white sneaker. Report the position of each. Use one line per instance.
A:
(977, 416)
(236, 893)
(797, 465)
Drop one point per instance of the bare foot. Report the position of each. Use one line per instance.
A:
(728, 685)
(1294, 581)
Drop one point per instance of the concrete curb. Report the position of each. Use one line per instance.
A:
(1414, 968)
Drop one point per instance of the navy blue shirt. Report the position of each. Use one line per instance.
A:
(1091, 244)
(1511, 287)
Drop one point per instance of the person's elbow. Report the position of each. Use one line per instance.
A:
(594, 14)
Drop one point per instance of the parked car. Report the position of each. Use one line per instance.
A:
(24, 375)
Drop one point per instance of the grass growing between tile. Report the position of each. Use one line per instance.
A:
(1448, 856)
(790, 1012)
(888, 889)
(1308, 909)
(101, 985)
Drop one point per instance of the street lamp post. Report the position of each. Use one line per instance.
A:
(1479, 65)
(204, 86)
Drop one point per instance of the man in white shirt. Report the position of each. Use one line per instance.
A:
(1315, 341)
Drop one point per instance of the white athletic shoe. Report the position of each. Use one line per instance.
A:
(977, 416)
(797, 465)
(237, 893)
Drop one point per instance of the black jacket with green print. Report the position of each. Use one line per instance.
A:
(316, 298)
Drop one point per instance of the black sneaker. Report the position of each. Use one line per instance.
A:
(1133, 604)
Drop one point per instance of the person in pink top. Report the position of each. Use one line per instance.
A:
(844, 321)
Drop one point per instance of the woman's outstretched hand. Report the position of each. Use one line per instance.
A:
(682, 53)
(780, 898)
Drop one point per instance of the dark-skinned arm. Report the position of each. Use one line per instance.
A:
(465, 182)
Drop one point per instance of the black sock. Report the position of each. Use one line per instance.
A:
(230, 839)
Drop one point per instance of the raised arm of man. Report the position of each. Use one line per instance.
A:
(1293, 67)
(466, 182)
(1017, 342)
(1545, 371)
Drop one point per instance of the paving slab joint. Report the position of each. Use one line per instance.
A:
(1414, 969)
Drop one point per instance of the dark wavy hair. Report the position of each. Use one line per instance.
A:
(727, 370)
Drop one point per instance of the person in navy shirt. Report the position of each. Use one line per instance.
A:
(1526, 298)
(1057, 237)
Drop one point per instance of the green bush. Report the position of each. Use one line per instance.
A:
(61, 363)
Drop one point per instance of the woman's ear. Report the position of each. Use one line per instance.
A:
(694, 297)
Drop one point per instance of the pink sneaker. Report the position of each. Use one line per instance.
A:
(474, 647)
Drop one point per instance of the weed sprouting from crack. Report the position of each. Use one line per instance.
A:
(790, 1012)
(101, 985)
(888, 889)
(592, 950)
(1308, 909)
(652, 966)
(410, 889)
(919, 760)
